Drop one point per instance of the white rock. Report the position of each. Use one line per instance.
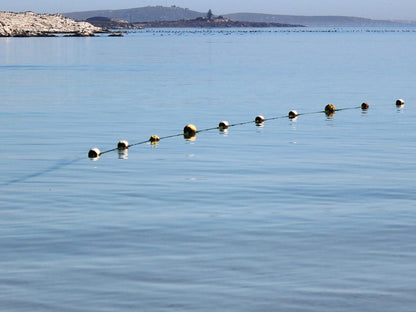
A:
(31, 24)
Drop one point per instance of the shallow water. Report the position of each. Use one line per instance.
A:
(315, 214)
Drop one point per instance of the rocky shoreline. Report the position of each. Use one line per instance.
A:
(29, 24)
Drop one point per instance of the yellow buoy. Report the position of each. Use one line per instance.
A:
(223, 125)
(122, 145)
(94, 153)
(399, 102)
(329, 109)
(189, 131)
(293, 114)
(365, 106)
(259, 119)
(154, 139)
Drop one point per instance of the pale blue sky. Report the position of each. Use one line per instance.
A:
(376, 9)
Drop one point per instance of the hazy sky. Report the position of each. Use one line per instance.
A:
(376, 9)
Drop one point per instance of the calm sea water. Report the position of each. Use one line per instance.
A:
(316, 214)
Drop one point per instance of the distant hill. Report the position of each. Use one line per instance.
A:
(174, 13)
(199, 22)
(312, 20)
(144, 14)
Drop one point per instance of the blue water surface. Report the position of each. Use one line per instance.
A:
(312, 214)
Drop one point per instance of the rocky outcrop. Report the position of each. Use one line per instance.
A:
(29, 24)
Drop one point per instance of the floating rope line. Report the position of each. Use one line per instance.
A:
(190, 131)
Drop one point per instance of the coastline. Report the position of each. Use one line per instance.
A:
(189, 23)
(29, 24)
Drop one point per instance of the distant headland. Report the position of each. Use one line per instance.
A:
(173, 13)
(199, 22)
(29, 24)
(88, 23)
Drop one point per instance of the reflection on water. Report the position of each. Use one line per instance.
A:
(123, 154)
(190, 138)
(224, 132)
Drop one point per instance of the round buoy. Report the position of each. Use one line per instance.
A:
(259, 119)
(189, 131)
(154, 139)
(329, 109)
(399, 102)
(292, 114)
(365, 106)
(122, 145)
(223, 125)
(94, 153)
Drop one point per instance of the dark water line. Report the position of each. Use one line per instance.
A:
(311, 113)
(64, 163)
(208, 129)
(108, 151)
(274, 118)
(138, 143)
(59, 165)
(232, 125)
(242, 123)
(346, 108)
(171, 136)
